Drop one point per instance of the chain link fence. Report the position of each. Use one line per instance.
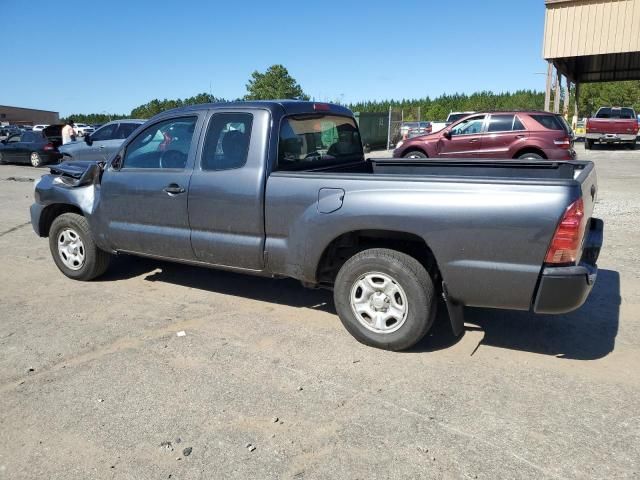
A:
(398, 117)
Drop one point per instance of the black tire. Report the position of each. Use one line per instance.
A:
(588, 144)
(415, 154)
(632, 145)
(530, 156)
(95, 262)
(1, 159)
(416, 285)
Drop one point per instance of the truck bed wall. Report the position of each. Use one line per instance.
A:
(489, 239)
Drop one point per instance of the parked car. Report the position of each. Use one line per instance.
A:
(82, 129)
(102, 143)
(499, 135)
(414, 129)
(39, 127)
(282, 189)
(453, 117)
(36, 148)
(6, 132)
(612, 125)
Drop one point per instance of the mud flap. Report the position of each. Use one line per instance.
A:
(456, 312)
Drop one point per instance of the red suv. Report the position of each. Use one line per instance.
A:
(524, 135)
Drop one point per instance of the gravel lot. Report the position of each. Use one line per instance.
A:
(95, 383)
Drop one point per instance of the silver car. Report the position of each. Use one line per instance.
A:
(101, 144)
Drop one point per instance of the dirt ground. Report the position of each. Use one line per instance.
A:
(95, 383)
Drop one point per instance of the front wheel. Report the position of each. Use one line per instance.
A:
(73, 249)
(385, 299)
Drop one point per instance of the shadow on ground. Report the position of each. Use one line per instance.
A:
(586, 334)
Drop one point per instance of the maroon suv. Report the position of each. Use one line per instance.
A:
(524, 135)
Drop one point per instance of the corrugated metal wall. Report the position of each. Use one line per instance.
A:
(591, 27)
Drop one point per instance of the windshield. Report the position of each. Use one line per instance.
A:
(312, 141)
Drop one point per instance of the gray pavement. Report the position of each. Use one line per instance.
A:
(93, 378)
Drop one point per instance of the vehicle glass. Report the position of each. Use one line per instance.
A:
(470, 126)
(454, 117)
(227, 142)
(13, 139)
(619, 113)
(517, 124)
(28, 137)
(162, 145)
(125, 129)
(105, 133)
(316, 140)
(549, 121)
(500, 123)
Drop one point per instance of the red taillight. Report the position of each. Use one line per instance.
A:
(564, 142)
(322, 107)
(568, 236)
(48, 147)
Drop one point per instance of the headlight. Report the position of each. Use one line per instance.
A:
(399, 144)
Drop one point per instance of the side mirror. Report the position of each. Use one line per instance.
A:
(87, 140)
(447, 134)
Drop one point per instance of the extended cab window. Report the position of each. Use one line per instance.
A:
(470, 126)
(620, 113)
(316, 140)
(227, 142)
(162, 145)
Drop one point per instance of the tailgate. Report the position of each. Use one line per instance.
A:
(612, 126)
(589, 187)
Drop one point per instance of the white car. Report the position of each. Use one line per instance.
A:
(39, 128)
(82, 129)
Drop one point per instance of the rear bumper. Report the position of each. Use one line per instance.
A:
(611, 137)
(560, 153)
(563, 289)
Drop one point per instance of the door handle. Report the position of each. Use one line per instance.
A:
(473, 140)
(173, 189)
(520, 136)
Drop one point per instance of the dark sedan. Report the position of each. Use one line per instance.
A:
(36, 148)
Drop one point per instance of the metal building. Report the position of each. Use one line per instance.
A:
(27, 116)
(590, 41)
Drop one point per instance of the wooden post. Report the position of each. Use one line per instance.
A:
(547, 94)
(565, 103)
(556, 93)
(576, 97)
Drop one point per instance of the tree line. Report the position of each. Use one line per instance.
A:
(277, 83)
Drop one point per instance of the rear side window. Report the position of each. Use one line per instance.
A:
(620, 113)
(316, 140)
(549, 121)
(126, 129)
(501, 123)
(105, 133)
(227, 143)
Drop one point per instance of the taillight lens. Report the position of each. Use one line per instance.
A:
(564, 142)
(48, 147)
(568, 236)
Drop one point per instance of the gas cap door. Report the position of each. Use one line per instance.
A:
(330, 199)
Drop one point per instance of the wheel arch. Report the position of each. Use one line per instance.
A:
(414, 149)
(530, 149)
(344, 246)
(51, 212)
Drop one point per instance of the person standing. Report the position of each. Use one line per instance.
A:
(68, 132)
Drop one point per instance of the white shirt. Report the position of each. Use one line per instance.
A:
(67, 133)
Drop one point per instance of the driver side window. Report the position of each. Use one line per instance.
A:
(104, 133)
(162, 145)
(470, 126)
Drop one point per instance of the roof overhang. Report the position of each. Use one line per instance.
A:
(608, 67)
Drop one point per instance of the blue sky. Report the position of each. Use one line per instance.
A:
(114, 55)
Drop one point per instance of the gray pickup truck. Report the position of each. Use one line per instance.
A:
(283, 189)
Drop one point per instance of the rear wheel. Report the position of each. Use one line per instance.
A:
(385, 299)
(415, 154)
(632, 145)
(36, 160)
(530, 156)
(73, 249)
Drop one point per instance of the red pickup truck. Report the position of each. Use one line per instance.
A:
(612, 125)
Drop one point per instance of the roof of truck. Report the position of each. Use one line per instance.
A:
(289, 107)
